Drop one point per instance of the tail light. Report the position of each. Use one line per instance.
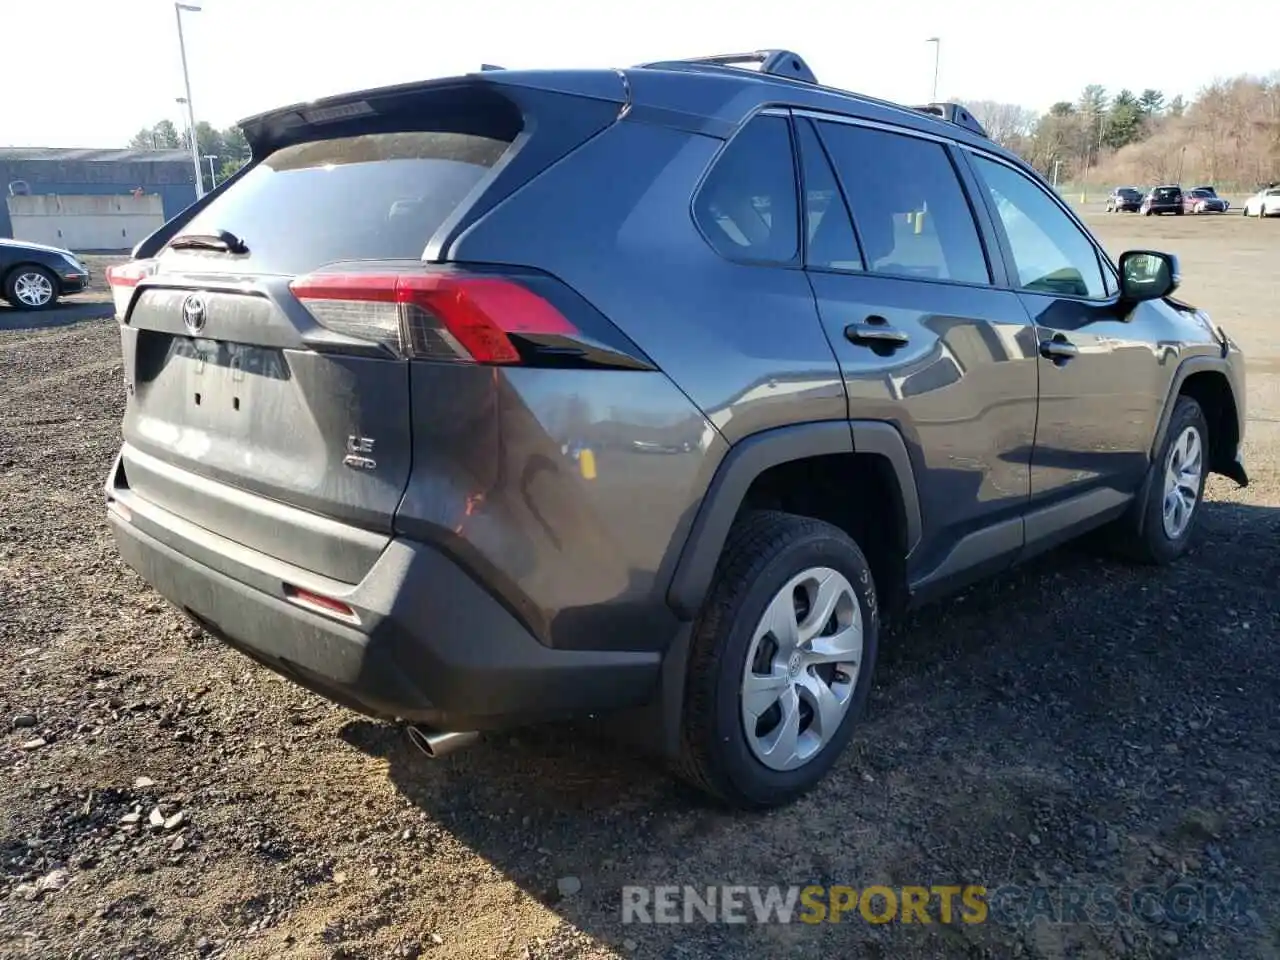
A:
(123, 277)
(467, 317)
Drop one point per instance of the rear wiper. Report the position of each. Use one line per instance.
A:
(222, 240)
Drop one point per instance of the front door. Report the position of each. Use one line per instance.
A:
(1102, 382)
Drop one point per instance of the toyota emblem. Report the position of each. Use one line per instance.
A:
(193, 313)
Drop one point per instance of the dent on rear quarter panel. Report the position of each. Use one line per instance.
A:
(566, 493)
(613, 221)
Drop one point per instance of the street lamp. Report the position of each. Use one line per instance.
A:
(186, 80)
(937, 56)
(213, 177)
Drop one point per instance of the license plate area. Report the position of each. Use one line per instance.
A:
(222, 382)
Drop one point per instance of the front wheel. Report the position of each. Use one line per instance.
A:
(1174, 490)
(780, 662)
(31, 287)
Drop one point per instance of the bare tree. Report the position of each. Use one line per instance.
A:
(1008, 124)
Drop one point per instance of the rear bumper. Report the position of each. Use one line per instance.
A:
(431, 645)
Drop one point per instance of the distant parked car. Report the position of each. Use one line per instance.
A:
(1166, 199)
(33, 276)
(1203, 200)
(1124, 199)
(1264, 203)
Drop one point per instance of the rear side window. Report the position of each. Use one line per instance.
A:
(380, 196)
(829, 239)
(746, 207)
(908, 206)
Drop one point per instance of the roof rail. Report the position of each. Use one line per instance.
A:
(776, 63)
(954, 113)
(785, 63)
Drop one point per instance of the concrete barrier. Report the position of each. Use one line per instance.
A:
(85, 222)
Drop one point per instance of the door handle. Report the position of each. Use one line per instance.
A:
(876, 332)
(1059, 349)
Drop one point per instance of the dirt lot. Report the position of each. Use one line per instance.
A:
(1077, 722)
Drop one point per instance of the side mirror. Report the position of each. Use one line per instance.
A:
(1148, 275)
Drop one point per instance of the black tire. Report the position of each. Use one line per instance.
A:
(30, 270)
(1153, 544)
(764, 551)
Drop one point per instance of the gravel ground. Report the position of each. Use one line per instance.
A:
(1076, 722)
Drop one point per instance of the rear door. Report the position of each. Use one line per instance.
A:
(246, 414)
(926, 340)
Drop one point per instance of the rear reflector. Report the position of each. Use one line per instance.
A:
(123, 278)
(320, 603)
(424, 316)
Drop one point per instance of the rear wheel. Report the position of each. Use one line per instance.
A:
(781, 660)
(31, 287)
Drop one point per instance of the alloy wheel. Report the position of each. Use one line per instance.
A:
(1183, 472)
(33, 289)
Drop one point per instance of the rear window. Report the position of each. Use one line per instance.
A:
(373, 197)
(1165, 192)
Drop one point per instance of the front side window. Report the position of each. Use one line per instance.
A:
(908, 206)
(1052, 254)
(747, 204)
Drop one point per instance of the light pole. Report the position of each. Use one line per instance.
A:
(937, 56)
(187, 131)
(186, 81)
(213, 177)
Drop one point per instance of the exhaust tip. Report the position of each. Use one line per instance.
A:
(438, 743)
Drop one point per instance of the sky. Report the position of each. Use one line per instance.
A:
(110, 67)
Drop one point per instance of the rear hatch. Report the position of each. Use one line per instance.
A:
(265, 401)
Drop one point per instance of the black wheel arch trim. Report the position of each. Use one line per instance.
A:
(755, 454)
(1200, 363)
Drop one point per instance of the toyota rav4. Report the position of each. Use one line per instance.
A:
(526, 395)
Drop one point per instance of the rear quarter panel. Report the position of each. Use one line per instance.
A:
(740, 350)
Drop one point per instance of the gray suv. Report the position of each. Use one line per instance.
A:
(648, 392)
